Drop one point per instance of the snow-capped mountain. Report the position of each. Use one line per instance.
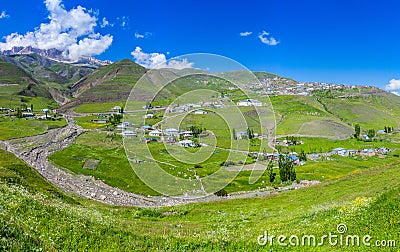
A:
(57, 55)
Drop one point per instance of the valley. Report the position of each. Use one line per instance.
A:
(78, 148)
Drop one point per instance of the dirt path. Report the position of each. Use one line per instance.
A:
(35, 150)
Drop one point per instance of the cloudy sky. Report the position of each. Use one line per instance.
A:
(339, 41)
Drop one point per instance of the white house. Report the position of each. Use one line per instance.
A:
(187, 134)
(249, 102)
(129, 133)
(155, 133)
(187, 143)
(44, 117)
(242, 135)
(120, 127)
(149, 116)
(172, 132)
(116, 109)
(200, 112)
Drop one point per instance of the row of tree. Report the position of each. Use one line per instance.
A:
(196, 130)
(371, 132)
(287, 171)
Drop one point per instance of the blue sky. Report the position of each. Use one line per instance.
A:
(353, 42)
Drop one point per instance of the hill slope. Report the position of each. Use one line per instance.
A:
(35, 215)
(15, 81)
(48, 70)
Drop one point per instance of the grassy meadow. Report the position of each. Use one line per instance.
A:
(33, 216)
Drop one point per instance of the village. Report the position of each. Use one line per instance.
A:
(188, 139)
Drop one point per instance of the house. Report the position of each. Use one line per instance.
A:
(339, 151)
(249, 102)
(368, 152)
(44, 117)
(155, 133)
(168, 139)
(116, 109)
(187, 143)
(149, 116)
(126, 124)
(351, 152)
(172, 132)
(147, 127)
(129, 133)
(187, 134)
(381, 132)
(200, 112)
(383, 150)
(45, 110)
(30, 115)
(313, 156)
(120, 127)
(100, 121)
(365, 137)
(293, 159)
(241, 135)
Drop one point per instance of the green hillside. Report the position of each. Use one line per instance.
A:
(17, 87)
(37, 216)
(47, 70)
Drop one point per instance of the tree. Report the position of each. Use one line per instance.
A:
(221, 193)
(31, 107)
(250, 133)
(234, 134)
(357, 129)
(19, 113)
(271, 172)
(196, 130)
(371, 133)
(303, 156)
(286, 169)
(115, 119)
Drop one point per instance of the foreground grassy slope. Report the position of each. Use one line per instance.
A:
(11, 128)
(32, 218)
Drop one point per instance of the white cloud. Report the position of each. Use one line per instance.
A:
(138, 35)
(393, 85)
(142, 36)
(69, 31)
(266, 39)
(123, 22)
(105, 23)
(245, 34)
(3, 14)
(396, 93)
(158, 60)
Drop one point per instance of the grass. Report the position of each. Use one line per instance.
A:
(367, 202)
(14, 101)
(367, 113)
(115, 170)
(16, 128)
(86, 122)
(323, 145)
(97, 107)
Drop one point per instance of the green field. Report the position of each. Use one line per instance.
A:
(323, 145)
(16, 128)
(114, 169)
(34, 217)
(97, 107)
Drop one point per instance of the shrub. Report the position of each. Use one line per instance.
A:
(221, 193)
